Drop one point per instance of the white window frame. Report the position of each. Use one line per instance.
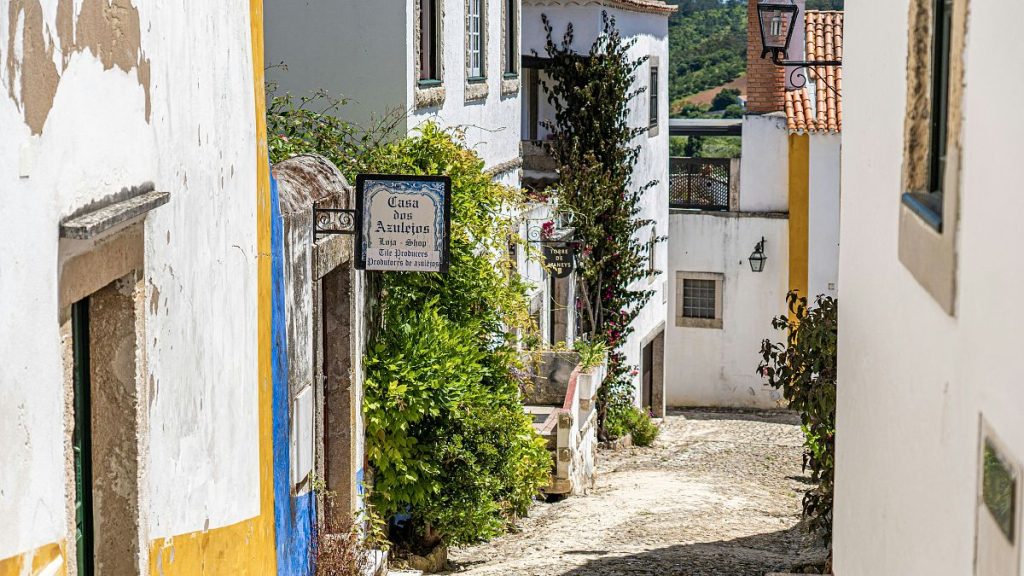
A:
(475, 51)
(687, 322)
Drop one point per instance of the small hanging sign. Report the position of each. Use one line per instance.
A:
(405, 223)
(560, 258)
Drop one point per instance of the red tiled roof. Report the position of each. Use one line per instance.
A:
(824, 42)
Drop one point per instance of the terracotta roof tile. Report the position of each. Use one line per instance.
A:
(824, 34)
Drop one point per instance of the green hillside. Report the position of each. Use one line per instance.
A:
(708, 43)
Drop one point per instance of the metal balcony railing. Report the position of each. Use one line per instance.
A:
(699, 183)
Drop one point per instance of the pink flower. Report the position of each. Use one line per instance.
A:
(547, 230)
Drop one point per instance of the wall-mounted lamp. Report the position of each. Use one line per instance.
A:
(778, 19)
(758, 258)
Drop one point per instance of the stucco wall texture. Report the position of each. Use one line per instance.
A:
(98, 96)
(917, 382)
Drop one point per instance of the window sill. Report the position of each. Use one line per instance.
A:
(429, 93)
(476, 79)
(926, 205)
(476, 89)
(706, 323)
(511, 76)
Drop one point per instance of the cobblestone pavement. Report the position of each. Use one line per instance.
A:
(718, 494)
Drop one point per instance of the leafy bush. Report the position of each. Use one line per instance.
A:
(447, 437)
(447, 440)
(626, 419)
(310, 125)
(804, 368)
(725, 98)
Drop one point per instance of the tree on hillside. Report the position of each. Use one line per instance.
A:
(707, 45)
(726, 98)
(824, 4)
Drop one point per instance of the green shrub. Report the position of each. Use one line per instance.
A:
(447, 437)
(626, 419)
(804, 368)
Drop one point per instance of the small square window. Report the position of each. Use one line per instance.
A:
(699, 300)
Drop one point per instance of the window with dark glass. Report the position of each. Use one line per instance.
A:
(430, 68)
(511, 38)
(928, 203)
(653, 112)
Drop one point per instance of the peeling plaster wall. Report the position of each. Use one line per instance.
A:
(140, 92)
(651, 34)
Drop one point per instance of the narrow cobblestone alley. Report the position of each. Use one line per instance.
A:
(719, 493)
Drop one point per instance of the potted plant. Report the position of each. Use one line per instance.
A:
(593, 355)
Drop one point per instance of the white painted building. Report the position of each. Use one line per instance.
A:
(930, 315)
(455, 62)
(787, 195)
(144, 408)
(646, 22)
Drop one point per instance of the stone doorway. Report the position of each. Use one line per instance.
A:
(103, 339)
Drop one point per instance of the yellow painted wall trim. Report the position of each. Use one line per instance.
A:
(38, 559)
(799, 214)
(248, 547)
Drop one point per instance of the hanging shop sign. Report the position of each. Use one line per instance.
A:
(560, 258)
(404, 223)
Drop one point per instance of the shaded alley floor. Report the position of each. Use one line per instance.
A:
(718, 494)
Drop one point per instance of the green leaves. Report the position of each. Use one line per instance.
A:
(805, 368)
(447, 438)
(597, 151)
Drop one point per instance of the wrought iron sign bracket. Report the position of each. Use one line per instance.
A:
(333, 221)
(798, 79)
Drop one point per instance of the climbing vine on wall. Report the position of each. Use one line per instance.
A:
(595, 147)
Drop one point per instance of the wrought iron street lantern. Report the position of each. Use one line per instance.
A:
(778, 19)
(758, 258)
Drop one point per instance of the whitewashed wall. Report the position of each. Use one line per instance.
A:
(913, 381)
(823, 215)
(365, 52)
(491, 125)
(764, 170)
(718, 367)
(651, 34)
(197, 141)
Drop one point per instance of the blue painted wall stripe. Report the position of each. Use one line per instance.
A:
(294, 517)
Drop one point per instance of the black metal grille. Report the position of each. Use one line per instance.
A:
(699, 183)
